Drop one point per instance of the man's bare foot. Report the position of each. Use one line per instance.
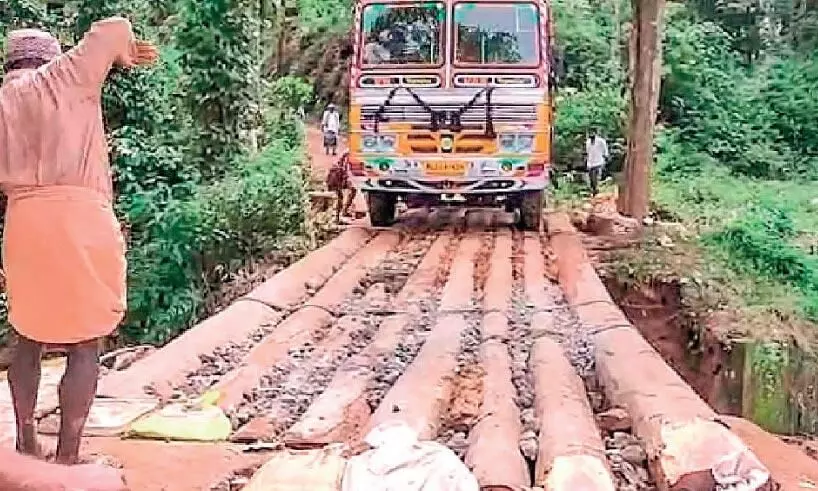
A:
(27, 443)
(77, 388)
(101, 459)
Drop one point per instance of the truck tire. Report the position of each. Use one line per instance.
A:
(381, 209)
(531, 210)
(511, 205)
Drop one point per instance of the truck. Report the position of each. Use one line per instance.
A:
(451, 104)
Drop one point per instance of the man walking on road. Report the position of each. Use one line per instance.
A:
(596, 151)
(331, 127)
(63, 250)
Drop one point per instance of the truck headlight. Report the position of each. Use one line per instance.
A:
(525, 143)
(369, 143)
(515, 143)
(388, 142)
(507, 142)
(378, 143)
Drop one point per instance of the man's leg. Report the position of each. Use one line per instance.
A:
(350, 200)
(594, 175)
(77, 389)
(339, 204)
(24, 381)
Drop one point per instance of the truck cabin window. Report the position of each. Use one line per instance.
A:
(496, 34)
(402, 34)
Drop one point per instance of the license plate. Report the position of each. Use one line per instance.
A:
(445, 168)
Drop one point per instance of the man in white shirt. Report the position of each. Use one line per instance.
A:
(331, 126)
(596, 151)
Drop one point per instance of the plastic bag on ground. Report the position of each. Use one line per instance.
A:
(740, 471)
(399, 462)
(201, 421)
(300, 470)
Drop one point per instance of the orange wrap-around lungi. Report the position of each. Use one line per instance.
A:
(63, 251)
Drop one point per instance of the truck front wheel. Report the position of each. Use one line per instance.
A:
(381, 209)
(531, 209)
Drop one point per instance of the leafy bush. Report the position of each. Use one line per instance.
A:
(588, 34)
(759, 243)
(221, 83)
(283, 98)
(580, 111)
(789, 91)
(189, 244)
(323, 15)
(757, 122)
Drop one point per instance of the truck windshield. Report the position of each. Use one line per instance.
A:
(496, 34)
(402, 34)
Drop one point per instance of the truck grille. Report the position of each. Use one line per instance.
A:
(415, 114)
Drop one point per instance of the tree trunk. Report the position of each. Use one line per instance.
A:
(645, 71)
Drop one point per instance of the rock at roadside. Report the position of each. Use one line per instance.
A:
(634, 454)
(616, 419)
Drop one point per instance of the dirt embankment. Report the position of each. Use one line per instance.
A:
(758, 374)
(695, 353)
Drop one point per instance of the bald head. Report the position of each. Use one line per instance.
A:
(30, 48)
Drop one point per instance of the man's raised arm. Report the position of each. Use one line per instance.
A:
(107, 43)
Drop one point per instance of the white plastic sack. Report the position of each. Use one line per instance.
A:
(399, 462)
(740, 471)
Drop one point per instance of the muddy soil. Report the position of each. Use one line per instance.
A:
(482, 265)
(237, 480)
(389, 367)
(217, 364)
(696, 354)
(287, 390)
(390, 275)
(467, 394)
(520, 345)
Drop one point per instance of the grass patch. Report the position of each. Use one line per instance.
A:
(744, 247)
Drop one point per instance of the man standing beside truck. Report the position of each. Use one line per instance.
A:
(596, 152)
(331, 127)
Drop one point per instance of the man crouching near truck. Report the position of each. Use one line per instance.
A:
(338, 182)
(63, 250)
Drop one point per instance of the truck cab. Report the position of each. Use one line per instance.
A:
(450, 104)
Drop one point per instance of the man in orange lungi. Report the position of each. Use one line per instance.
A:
(63, 252)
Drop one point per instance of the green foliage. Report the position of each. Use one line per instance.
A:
(759, 243)
(191, 242)
(283, 98)
(600, 106)
(220, 47)
(789, 91)
(589, 39)
(323, 15)
(196, 204)
(754, 121)
(18, 14)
